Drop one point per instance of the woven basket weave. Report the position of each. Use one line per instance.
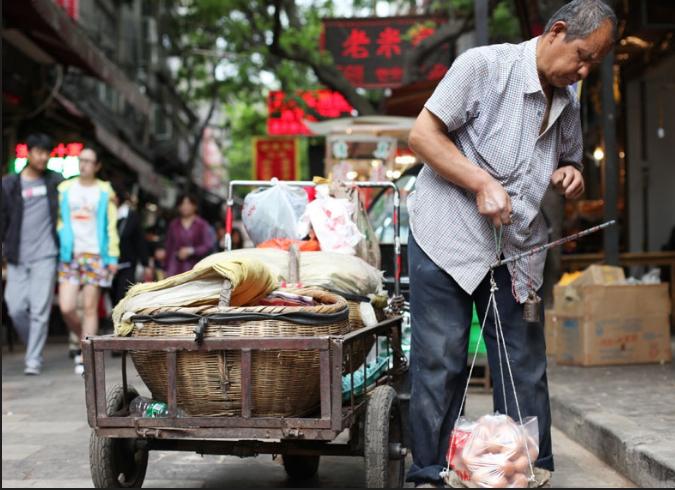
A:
(285, 382)
(360, 349)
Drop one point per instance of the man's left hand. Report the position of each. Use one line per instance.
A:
(112, 268)
(568, 181)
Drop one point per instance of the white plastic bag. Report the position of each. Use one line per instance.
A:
(494, 451)
(274, 212)
(331, 219)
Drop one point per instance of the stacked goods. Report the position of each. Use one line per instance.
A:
(494, 452)
(602, 319)
(328, 270)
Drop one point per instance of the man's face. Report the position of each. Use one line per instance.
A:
(567, 62)
(38, 158)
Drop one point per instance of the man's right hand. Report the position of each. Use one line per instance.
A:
(494, 202)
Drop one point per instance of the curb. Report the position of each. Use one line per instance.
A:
(620, 444)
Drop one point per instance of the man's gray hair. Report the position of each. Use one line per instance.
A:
(582, 18)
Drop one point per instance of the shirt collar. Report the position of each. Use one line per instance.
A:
(532, 83)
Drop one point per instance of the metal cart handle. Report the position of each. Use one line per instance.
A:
(306, 183)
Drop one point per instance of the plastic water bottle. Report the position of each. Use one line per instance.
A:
(145, 407)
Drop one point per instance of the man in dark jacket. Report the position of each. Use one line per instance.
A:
(133, 247)
(30, 246)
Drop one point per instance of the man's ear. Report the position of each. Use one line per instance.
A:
(559, 28)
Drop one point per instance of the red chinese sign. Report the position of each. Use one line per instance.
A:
(275, 157)
(61, 150)
(285, 114)
(370, 52)
(72, 7)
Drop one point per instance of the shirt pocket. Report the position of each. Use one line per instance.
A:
(497, 141)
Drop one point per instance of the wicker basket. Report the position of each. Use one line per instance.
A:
(285, 382)
(360, 349)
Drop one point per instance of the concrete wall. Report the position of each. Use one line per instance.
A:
(657, 170)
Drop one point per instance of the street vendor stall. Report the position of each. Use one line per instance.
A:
(366, 148)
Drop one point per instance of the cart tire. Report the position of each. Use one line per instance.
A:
(301, 467)
(383, 434)
(117, 462)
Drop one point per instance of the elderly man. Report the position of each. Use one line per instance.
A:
(500, 127)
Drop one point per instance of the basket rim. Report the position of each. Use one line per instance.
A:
(334, 302)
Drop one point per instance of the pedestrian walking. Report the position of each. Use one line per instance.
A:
(30, 246)
(501, 126)
(189, 238)
(133, 247)
(89, 248)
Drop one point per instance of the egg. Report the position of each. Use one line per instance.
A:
(519, 480)
(533, 449)
(482, 432)
(488, 478)
(521, 465)
(494, 447)
(508, 468)
(497, 482)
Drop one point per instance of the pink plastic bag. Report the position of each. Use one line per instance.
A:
(331, 219)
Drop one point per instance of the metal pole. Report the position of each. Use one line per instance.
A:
(555, 243)
(611, 163)
(481, 20)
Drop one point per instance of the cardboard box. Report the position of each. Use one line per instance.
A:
(614, 324)
(550, 330)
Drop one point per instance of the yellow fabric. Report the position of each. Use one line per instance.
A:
(320, 180)
(251, 280)
(568, 277)
(113, 237)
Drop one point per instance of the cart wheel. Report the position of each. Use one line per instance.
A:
(301, 467)
(384, 452)
(117, 462)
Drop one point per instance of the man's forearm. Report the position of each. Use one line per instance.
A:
(430, 142)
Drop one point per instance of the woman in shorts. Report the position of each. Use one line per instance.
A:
(89, 246)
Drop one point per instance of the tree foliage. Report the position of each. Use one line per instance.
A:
(232, 51)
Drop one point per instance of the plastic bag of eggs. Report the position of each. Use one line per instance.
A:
(494, 451)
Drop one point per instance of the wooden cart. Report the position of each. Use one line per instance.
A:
(120, 442)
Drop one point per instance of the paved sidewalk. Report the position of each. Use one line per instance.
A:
(45, 441)
(625, 415)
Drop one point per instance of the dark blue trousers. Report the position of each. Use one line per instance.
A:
(441, 317)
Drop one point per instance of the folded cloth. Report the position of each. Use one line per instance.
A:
(328, 270)
(251, 280)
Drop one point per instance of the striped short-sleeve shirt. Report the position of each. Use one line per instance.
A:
(493, 105)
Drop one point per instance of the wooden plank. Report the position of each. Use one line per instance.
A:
(216, 433)
(89, 383)
(171, 383)
(171, 343)
(217, 422)
(99, 372)
(324, 366)
(246, 388)
(336, 385)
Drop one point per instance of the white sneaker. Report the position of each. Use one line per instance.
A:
(79, 365)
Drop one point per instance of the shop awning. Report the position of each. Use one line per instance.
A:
(47, 25)
(374, 125)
